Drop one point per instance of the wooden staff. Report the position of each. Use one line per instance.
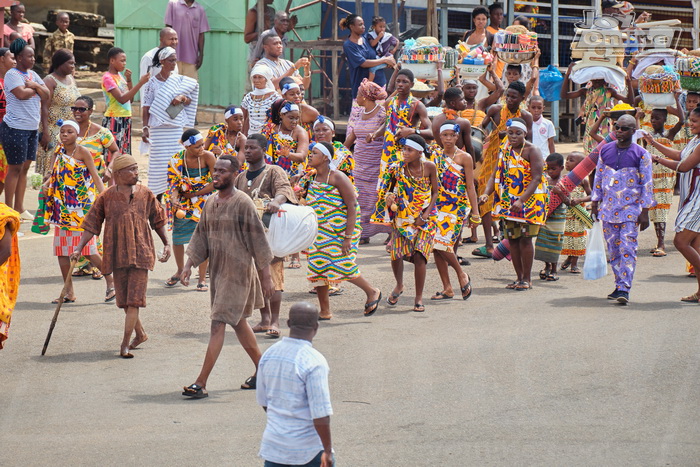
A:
(67, 283)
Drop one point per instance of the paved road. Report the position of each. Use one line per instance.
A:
(553, 376)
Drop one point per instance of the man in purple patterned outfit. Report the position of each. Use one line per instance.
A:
(622, 194)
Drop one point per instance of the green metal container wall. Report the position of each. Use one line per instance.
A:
(224, 74)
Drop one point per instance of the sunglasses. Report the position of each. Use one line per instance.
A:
(79, 109)
(623, 128)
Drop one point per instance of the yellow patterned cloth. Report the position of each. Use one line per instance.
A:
(490, 156)
(398, 113)
(97, 144)
(664, 182)
(452, 202)
(70, 193)
(474, 116)
(597, 101)
(272, 155)
(513, 176)
(9, 271)
(184, 180)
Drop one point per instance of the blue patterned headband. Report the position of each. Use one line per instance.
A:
(450, 127)
(192, 140)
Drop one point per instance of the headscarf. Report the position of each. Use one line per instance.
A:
(165, 52)
(372, 91)
(265, 71)
(122, 161)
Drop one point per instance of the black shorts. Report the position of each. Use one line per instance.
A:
(20, 145)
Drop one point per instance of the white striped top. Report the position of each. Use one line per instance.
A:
(292, 383)
(689, 203)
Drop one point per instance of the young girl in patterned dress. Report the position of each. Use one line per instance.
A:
(577, 219)
(292, 91)
(408, 191)
(332, 258)
(72, 187)
(228, 137)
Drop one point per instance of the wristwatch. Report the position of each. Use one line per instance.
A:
(418, 131)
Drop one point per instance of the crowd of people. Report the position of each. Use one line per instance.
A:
(422, 185)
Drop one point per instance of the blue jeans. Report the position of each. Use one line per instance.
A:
(315, 462)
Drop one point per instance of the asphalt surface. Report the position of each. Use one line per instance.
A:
(557, 375)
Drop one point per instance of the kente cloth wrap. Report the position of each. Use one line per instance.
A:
(576, 225)
(183, 180)
(70, 193)
(217, 133)
(343, 160)
(275, 143)
(327, 263)
(490, 156)
(664, 182)
(399, 113)
(9, 271)
(513, 176)
(550, 239)
(597, 101)
(412, 197)
(452, 202)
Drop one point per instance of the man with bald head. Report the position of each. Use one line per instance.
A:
(622, 194)
(293, 390)
(168, 38)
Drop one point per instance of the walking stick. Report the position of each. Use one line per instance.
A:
(66, 284)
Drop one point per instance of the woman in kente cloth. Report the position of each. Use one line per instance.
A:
(332, 258)
(189, 185)
(69, 192)
(9, 267)
(292, 92)
(343, 160)
(664, 177)
(456, 197)
(228, 137)
(407, 194)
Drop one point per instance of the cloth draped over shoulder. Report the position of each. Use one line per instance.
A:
(398, 113)
(9, 271)
(173, 87)
(232, 237)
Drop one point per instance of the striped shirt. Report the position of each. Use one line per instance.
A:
(293, 384)
(22, 114)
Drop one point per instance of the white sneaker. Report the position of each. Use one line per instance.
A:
(26, 216)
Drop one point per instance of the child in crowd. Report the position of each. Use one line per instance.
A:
(515, 73)
(407, 193)
(577, 218)
(664, 178)
(62, 38)
(382, 41)
(118, 92)
(543, 131)
(551, 236)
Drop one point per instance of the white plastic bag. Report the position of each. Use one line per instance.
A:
(292, 230)
(595, 265)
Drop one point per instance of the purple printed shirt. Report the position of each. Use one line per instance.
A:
(624, 183)
(189, 22)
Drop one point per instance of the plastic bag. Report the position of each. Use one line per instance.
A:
(292, 229)
(595, 265)
(551, 80)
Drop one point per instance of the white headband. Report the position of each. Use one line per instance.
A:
(192, 140)
(289, 86)
(412, 144)
(70, 123)
(324, 121)
(449, 127)
(289, 108)
(517, 124)
(229, 113)
(165, 53)
(324, 150)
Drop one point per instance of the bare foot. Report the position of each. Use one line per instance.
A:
(138, 341)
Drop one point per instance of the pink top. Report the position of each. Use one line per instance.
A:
(26, 31)
(189, 22)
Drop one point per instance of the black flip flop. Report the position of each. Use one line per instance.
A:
(371, 307)
(467, 287)
(395, 297)
(250, 383)
(441, 296)
(418, 307)
(463, 261)
(195, 391)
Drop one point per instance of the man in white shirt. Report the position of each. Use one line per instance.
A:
(272, 45)
(543, 131)
(168, 38)
(292, 388)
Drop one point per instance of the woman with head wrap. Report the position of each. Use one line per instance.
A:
(169, 105)
(256, 103)
(332, 258)
(19, 130)
(69, 191)
(364, 121)
(228, 137)
(293, 91)
(63, 92)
